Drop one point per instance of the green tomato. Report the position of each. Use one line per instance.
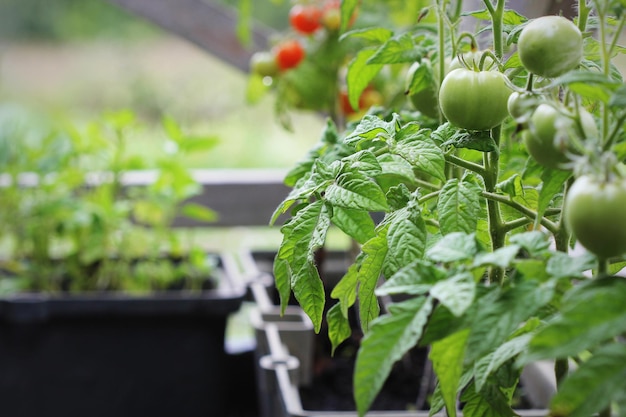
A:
(423, 97)
(264, 64)
(546, 138)
(474, 100)
(521, 105)
(594, 212)
(550, 46)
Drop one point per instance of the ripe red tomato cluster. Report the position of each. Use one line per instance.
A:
(309, 18)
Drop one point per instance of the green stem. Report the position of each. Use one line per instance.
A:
(471, 166)
(514, 224)
(429, 196)
(426, 184)
(562, 235)
(529, 213)
(583, 14)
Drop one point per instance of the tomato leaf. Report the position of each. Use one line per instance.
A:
(338, 326)
(552, 184)
(488, 402)
(358, 224)
(459, 206)
(375, 35)
(561, 265)
(591, 85)
(592, 387)
(396, 166)
(618, 98)
(592, 313)
(406, 238)
(488, 364)
(348, 8)
(371, 127)
(422, 79)
(356, 191)
(375, 251)
(397, 50)
(416, 278)
(535, 243)
(455, 293)
(502, 257)
(360, 74)
(447, 357)
(388, 339)
(453, 247)
(345, 290)
(423, 154)
(470, 139)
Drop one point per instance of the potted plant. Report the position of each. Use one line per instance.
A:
(508, 157)
(105, 310)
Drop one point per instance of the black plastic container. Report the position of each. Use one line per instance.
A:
(118, 355)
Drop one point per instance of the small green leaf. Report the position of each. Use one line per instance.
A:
(423, 154)
(199, 212)
(353, 190)
(488, 364)
(476, 140)
(396, 166)
(348, 8)
(388, 339)
(455, 293)
(561, 265)
(447, 357)
(282, 281)
(416, 278)
(371, 127)
(592, 85)
(453, 247)
(552, 184)
(345, 290)
(501, 257)
(459, 206)
(365, 162)
(618, 98)
(309, 291)
(489, 402)
(406, 237)
(591, 388)
(535, 242)
(338, 326)
(376, 35)
(422, 79)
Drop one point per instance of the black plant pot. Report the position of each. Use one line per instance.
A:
(118, 355)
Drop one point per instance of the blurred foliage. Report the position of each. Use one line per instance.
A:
(64, 20)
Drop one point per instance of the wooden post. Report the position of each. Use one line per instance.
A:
(207, 24)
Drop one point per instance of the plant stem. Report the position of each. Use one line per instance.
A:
(470, 166)
(531, 214)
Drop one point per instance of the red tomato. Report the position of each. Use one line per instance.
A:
(305, 18)
(289, 54)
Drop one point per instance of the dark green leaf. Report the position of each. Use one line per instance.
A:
(375, 251)
(389, 338)
(309, 291)
(360, 74)
(552, 184)
(535, 242)
(365, 162)
(422, 79)
(396, 166)
(488, 364)
(371, 127)
(345, 290)
(489, 402)
(476, 140)
(406, 238)
(423, 154)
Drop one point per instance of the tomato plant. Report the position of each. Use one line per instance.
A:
(550, 46)
(594, 210)
(475, 237)
(306, 18)
(548, 138)
(474, 100)
(289, 54)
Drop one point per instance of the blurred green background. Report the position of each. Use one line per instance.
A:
(75, 60)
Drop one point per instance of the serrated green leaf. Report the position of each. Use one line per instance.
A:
(591, 314)
(443, 133)
(360, 74)
(489, 402)
(423, 154)
(357, 224)
(397, 50)
(389, 338)
(365, 162)
(421, 79)
(309, 291)
(282, 281)
(406, 238)
(501, 311)
(459, 206)
(592, 85)
(453, 247)
(456, 293)
(510, 17)
(356, 191)
(416, 278)
(447, 357)
(396, 166)
(501, 257)
(338, 326)
(488, 364)
(375, 251)
(371, 127)
(590, 388)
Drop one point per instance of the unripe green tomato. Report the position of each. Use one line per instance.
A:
(594, 212)
(474, 100)
(426, 100)
(521, 105)
(264, 64)
(550, 46)
(542, 140)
